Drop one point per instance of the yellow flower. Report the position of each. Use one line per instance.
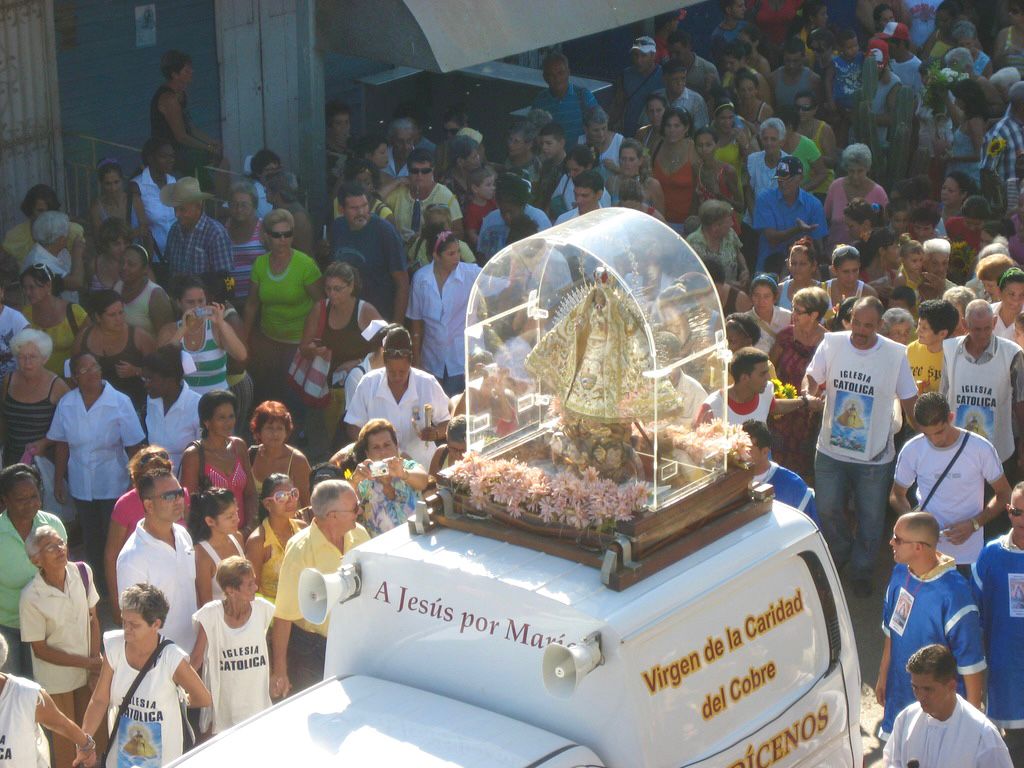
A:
(996, 147)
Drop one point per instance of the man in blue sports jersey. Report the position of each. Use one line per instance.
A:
(789, 486)
(999, 590)
(927, 601)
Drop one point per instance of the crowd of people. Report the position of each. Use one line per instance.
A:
(204, 397)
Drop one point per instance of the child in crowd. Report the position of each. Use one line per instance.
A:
(911, 263)
(231, 647)
(482, 186)
(904, 297)
(843, 80)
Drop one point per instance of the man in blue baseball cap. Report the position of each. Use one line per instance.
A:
(783, 215)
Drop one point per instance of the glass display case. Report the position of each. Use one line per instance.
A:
(590, 348)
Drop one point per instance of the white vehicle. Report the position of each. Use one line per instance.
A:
(458, 650)
(704, 627)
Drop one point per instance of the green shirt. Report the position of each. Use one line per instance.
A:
(284, 303)
(17, 570)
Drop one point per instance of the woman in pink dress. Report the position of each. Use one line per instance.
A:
(857, 162)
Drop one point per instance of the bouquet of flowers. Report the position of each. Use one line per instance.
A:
(584, 500)
(938, 81)
(784, 391)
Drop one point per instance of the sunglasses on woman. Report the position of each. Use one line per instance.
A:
(282, 496)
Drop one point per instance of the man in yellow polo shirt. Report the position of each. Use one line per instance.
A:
(937, 321)
(298, 648)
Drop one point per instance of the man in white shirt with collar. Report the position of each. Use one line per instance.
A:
(437, 309)
(160, 552)
(941, 729)
(401, 394)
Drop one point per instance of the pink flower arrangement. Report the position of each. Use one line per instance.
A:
(580, 501)
(710, 443)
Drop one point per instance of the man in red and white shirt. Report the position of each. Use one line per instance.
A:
(752, 394)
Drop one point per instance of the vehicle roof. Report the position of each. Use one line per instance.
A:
(366, 721)
(579, 586)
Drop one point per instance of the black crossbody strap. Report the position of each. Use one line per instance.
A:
(963, 444)
(150, 663)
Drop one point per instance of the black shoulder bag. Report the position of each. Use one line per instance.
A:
(963, 444)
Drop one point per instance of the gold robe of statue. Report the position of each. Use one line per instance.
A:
(594, 358)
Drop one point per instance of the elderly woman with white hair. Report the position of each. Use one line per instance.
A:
(856, 159)
(12, 322)
(606, 143)
(30, 396)
(59, 623)
(50, 232)
(761, 165)
(897, 324)
(24, 706)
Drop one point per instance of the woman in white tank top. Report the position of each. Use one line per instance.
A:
(213, 523)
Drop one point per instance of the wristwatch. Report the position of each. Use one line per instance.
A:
(89, 746)
(974, 522)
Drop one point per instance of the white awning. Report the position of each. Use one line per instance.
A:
(447, 35)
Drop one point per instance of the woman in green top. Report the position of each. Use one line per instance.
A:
(21, 490)
(285, 284)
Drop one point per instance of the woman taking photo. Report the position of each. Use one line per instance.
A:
(213, 524)
(271, 427)
(218, 459)
(59, 319)
(118, 201)
(388, 486)
(172, 407)
(285, 285)
(21, 491)
(279, 505)
(146, 304)
(59, 622)
(30, 396)
(95, 430)
(245, 231)
(152, 726)
(672, 166)
(205, 333)
(791, 354)
(335, 328)
(633, 165)
(116, 346)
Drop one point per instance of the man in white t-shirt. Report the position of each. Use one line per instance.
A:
(160, 552)
(588, 186)
(941, 729)
(983, 381)
(958, 502)
(401, 393)
(861, 374)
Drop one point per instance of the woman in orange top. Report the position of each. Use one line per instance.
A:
(672, 165)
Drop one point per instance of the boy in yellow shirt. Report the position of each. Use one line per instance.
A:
(937, 320)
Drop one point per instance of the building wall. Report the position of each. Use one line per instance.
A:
(106, 82)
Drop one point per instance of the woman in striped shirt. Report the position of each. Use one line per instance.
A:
(205, 335)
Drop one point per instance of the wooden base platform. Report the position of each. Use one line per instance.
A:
(632, 551)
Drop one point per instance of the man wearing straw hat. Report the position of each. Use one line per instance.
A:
(196, 244)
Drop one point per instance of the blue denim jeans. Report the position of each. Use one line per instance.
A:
(834, 482)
